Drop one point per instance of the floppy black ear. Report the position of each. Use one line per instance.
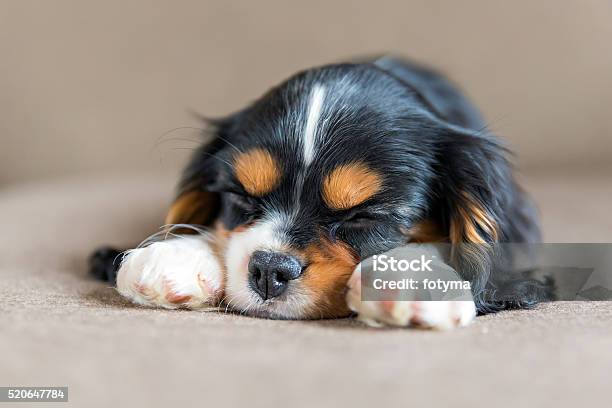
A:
(476, 187)
(482, 202)
(482, 205)
(195, 203)
(475, 184)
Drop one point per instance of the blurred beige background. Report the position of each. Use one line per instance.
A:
(90, 87)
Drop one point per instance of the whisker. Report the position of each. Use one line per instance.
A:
(167, 132)
(232, 299)
(214, 156)
(166, 231)
(252, 303)
(122, 254)
(183, 225)
(222, 300)
(180, 139)
(160, 139)
(230, 143)
(184, 148)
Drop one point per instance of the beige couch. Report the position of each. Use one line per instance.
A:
(88, 90)
(59, 327)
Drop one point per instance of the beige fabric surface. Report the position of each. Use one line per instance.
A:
(59, 327)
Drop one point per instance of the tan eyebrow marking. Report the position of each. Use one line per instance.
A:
(349, 185)
(257, 171)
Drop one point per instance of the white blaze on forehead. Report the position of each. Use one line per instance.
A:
(315, 105)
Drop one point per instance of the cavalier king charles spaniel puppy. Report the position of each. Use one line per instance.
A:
(336, 164)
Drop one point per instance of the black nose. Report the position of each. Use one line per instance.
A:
(270, 273)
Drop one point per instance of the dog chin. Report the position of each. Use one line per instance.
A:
(289, 306)
(269, 313)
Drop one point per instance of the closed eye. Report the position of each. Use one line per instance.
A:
(237, 209)
(360, 220)
(356, 223)
(241, 202)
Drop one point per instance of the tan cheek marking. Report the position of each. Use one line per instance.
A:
(349, 185)
(257, 171)
(330, 267)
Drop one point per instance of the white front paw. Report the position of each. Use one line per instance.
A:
(424, 314)
(178, 272)
(441, 315)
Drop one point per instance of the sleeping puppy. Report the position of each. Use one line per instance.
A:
(332, 166)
